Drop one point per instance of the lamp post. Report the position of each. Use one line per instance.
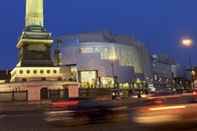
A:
(112, 69)
(138, 81)
(113, 58)
(188, 43)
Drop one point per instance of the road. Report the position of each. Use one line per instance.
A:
(34, 121)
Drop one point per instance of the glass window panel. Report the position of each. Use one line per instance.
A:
(88, 77)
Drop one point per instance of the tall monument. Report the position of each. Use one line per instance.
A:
(35, 72)
(35, 42)
(34, 13)
(34, 46)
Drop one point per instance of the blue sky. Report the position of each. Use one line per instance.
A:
(159, 24)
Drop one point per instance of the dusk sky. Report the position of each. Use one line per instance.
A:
(159, 24)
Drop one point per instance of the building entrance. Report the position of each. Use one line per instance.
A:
(44, 94)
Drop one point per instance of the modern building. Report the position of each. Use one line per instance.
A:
(35, 77)
(102, 59)
(191, 75)
(165, 70)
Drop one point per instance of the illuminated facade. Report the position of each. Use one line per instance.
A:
(37, 73)
(34, 13)
(35, 77)
(35, 42)
(103, 57)
(34, 45)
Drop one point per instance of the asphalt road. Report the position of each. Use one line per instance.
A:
(34, 121)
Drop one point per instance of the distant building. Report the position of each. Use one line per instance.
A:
(192, 73)
(102, 57)
(5, 76)
(164, 69)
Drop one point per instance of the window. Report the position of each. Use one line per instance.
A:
(87, 50)
(28, 71)
(59, 79)
(107, 82)
(48, 71)
(41, 71)
(54, 94)
(88, 78)
(35, 71)
(54, 71)
(24, 80)
(43, 79)
(97, 50)
(21, 71)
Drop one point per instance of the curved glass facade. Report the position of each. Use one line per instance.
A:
(126, 55)
(112, 60)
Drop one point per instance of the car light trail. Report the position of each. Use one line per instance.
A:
(167, 108)
(59, 112)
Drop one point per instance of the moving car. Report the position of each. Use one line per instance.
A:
(194, 95)
(85, 112)
(166, 112)
(65, 103)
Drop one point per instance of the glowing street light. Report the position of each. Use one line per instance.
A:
(187, 42)
(193, 73)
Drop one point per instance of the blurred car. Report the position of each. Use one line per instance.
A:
(165, 112)
(160, 114)
(117, 94)
(138, 94)
(163, 92)
(194, 95)
(154, 101)
(85, 112)
(65, 103)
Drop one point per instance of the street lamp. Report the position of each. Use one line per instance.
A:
(193, 73)
(112, 58)
(188, 43)
(138, 81)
